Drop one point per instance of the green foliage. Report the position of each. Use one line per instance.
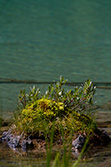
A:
(29, 98)
(56, 105)
(78, 99)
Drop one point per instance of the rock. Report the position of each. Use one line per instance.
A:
(100, 137)
(26, 143)
(78, 142)
(14, 141)
(6, 135)
(77, 145)
(105, 137)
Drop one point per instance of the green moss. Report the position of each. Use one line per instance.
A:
(56, 107)
(43, 111)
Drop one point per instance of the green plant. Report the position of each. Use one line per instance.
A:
(65, 108)
(28, 98)
(78, 99)
(56, 115)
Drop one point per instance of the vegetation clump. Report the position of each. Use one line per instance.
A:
(56, 118)
(66, 109)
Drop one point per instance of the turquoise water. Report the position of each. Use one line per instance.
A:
(42, 39)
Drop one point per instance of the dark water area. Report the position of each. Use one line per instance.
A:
(43, 39)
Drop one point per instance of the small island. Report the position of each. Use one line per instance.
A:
(47, 121)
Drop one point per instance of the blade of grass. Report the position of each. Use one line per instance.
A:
(56, 160)
(67, 153)
(49, 150)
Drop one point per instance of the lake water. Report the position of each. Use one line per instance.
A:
(42, 39)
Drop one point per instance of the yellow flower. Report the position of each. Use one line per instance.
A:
(61, 106)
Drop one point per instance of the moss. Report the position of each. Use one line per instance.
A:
(36, 117)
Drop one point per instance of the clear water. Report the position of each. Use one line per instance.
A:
(42, 39)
